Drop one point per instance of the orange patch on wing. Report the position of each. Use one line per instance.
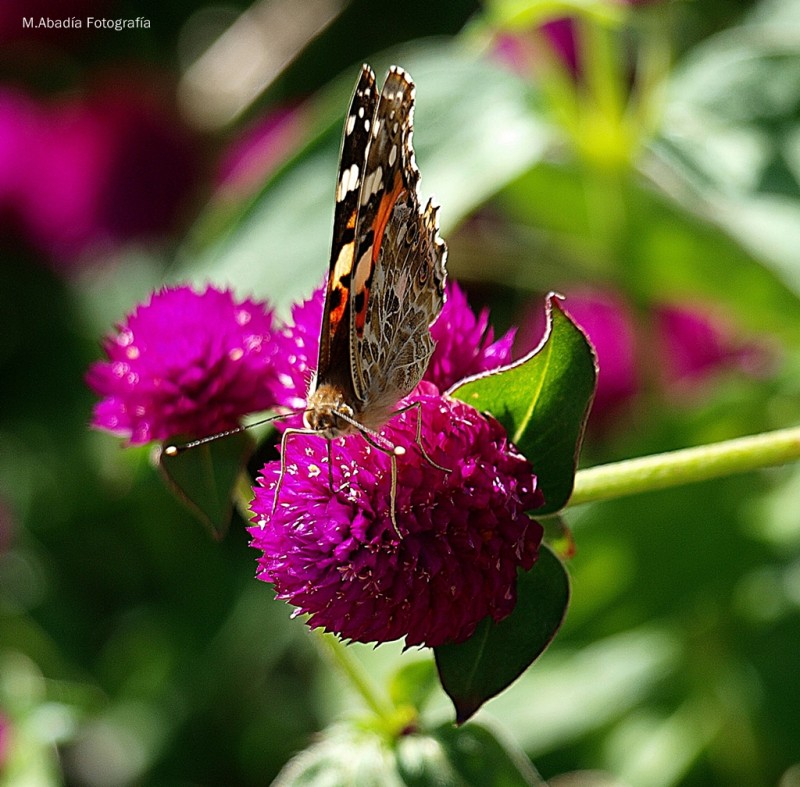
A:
(336, 313)
(382, 217)
(384, 212)
(338, 294)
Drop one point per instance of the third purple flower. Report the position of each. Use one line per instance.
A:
(186, 363)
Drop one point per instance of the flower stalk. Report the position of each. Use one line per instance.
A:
(688, 465)
(352, 669)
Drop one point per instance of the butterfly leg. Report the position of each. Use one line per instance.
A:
(418, 407)
(284, 442)
(393, 493)
(330, 463)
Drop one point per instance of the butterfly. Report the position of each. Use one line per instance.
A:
(386, 277)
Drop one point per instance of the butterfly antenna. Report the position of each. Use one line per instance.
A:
(173, 449)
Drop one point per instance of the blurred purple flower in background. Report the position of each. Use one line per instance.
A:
(18, 126)
(185, 364)
(521, 49)
(608, 322)
(5, 740)
(335, 554)
(698, 343)
(84, 175)
(562, 37)
(251, 158)
(685, 346)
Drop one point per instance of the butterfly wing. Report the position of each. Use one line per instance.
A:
(334, 335)
(397, 284)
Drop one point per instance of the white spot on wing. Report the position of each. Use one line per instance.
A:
(351, 124)
(349, 182)
(372, 185)
(392, 155)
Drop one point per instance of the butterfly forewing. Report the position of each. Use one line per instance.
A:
(387, 274)
(352, 159)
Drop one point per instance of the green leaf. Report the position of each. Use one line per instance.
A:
(466, 756)
(205, 478)
(543, 401)
(276, 244)
(732, 137)
(413, 683)
(497, 654)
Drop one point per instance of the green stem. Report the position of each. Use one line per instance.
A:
(688, 465)
(354, 670)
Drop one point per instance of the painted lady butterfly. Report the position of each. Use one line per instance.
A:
(387, 273)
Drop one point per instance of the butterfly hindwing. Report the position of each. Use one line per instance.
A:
(399, 267)
(334, 339)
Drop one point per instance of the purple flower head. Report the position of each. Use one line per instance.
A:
(560, 34)
(185, 363)
(697, 344)
(333, 552)
(87, 174)
(464, 342)
(18, 121)
(609, 324)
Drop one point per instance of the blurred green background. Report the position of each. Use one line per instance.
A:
(654, 178)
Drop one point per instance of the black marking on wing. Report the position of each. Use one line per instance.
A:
(334, 341)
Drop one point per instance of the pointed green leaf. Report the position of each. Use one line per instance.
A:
(498, 653)
(205, 478)
(543, 401)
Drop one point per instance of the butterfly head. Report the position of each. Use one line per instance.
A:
(329, 414)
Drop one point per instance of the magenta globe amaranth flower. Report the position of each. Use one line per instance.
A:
(185, 363)
(333, 551)
(464, 342)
